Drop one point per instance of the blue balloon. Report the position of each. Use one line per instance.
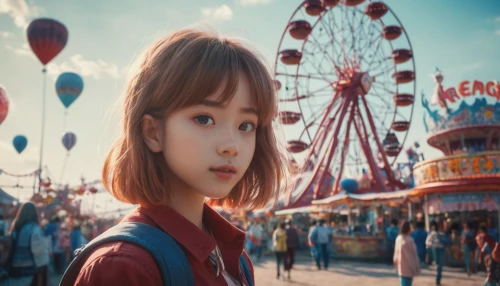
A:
(349, 185)
(20, 142)
(69, 140)
(68, 87)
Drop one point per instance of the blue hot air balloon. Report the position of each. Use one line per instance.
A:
(68, 87)
(69, 140)
(20, 143)
(349, 185)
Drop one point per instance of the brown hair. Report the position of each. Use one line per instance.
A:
(27, 213)
(405, 228)
(179, 71)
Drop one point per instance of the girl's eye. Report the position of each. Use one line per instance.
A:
(204, 120)
(247, 127)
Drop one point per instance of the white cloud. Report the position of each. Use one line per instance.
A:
(19, 11)
(97, 69)
(222, 13)
(5, 34)
(29, 157)
(253, 2)
(497, 32)
(24, 50)
(497, 19)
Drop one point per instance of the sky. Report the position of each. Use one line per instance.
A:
(460, 37)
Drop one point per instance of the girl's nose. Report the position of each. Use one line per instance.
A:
(229, 149)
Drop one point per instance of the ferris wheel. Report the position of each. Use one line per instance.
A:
(345, 74)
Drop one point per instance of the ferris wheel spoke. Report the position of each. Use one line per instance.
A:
(303, 76)
(336, 65)
(376, 50)
(383, 72)
(382, 98)
(384, 88)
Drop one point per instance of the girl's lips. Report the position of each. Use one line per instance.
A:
(224, 175)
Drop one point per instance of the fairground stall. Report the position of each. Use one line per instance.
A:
(463, 184)
(361, 234)
(345, 74)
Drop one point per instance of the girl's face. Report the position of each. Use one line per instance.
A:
(209, 146)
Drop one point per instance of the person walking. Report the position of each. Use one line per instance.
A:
(391, 233)
(52, 232)
(312, 248)
(419, 236)
(437, 240)
(469, 247)
(292, 242)
(256, 234)
(280, 246)
(29, 255)
(406, 258)
(77, 239)
(320, 238)
(486, 245)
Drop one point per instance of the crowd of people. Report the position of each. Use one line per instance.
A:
(37, 249)
(415, 248)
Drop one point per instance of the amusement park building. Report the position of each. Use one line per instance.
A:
(464, 183)
(467, 177)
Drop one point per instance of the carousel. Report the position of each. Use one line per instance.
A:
(345, 74)
(464, 183)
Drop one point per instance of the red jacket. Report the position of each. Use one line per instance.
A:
(122, 263)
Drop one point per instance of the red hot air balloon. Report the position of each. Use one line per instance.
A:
(4, 104)
(47, 38)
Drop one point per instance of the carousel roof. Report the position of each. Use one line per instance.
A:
(344, 197)
(467, 116)
(5, 198)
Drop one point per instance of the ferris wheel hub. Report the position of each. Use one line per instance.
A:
(359, 80)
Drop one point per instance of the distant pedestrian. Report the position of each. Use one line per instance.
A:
(77, 240)
(405, 257)
(391, 233)
(292, 242)
(486, 244)
(437, 241)
(29, 257)
(469, 247)
(320, 238)
(279, 244)
(419, 236)
(256, 234)
(312, 248)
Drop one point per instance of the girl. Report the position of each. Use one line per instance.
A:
(29, 255)
(197, 125)
(279, 244)
(405, 256)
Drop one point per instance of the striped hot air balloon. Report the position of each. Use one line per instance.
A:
(69, 86)
(47, 38)
(69, 140)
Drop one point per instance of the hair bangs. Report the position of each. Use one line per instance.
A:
(216, 70)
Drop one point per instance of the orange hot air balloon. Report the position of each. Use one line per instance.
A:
(4, 104)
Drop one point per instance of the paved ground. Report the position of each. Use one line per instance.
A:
(355, 273)
(342, 273)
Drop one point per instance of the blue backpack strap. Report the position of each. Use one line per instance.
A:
(171, 260)
(246, 269)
